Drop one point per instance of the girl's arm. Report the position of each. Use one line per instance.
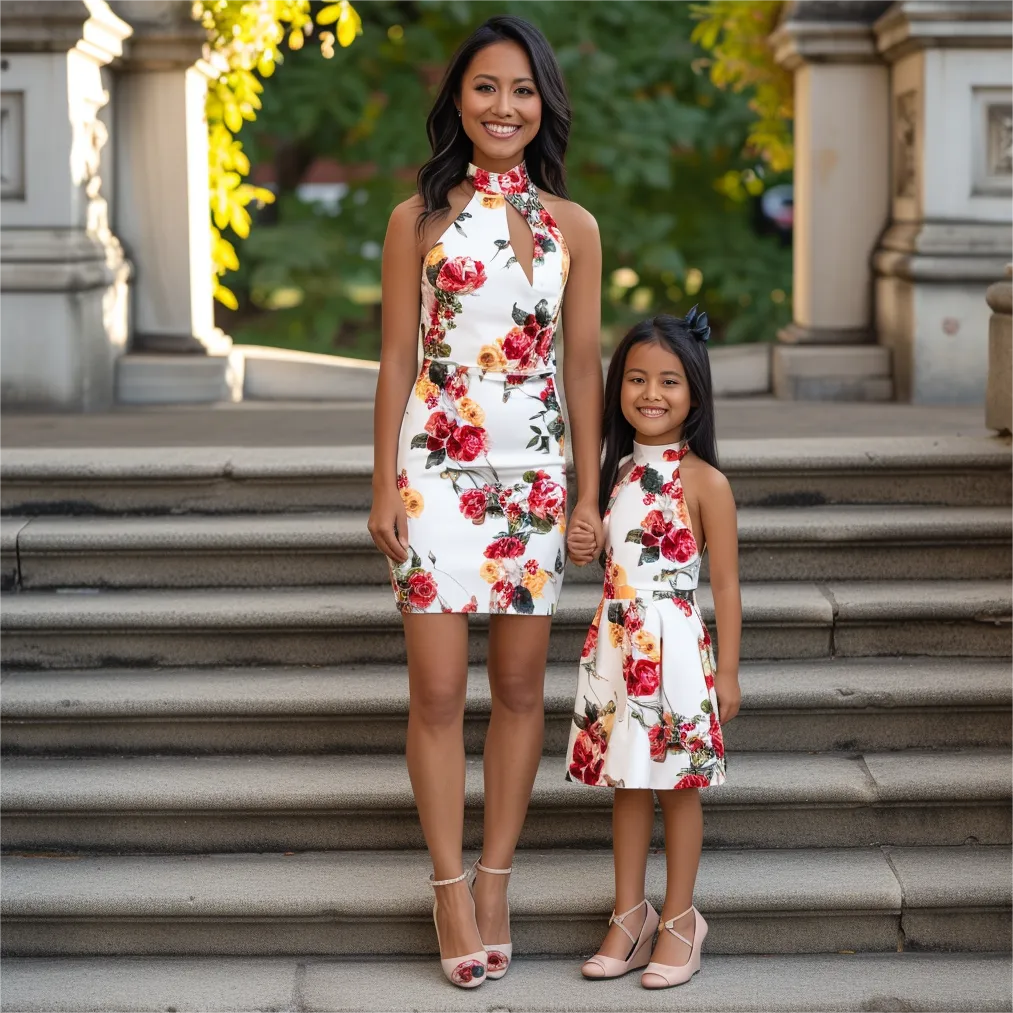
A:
(717, 516)
(388, 522)
(582, 376)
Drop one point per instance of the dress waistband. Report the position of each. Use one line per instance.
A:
(656, 593)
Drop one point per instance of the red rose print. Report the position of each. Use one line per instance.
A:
(543, 344)
(587, 760)
(658, 737)
(505, 548)
(517, 343)
(402, 480)
(692, 781)
(514, 512)
(679, 545)
(674, 455)
(471, 606)
(655, 528)
(547, 499)
(637, 473)
(590, 642)
(421, 590)
(439, 428)
(461, 275)
(465, 972)
(642, 678)
(502, 595)
(549, 391)
(632, 621)
(708, 680)
(465, 443)
(473, 504)
(717, 737)
(531, 566)
(684, 606)
(456, 385)
(705, 640)
(496, 960)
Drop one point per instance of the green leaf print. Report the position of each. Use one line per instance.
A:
(651, 555)
(418, 442)
(522, 601)
(636, 535)
(652, 481)
(438, 373)
(433, 271)
(557, 427)
(542, 314)
(548, 246)
(436, 458)
(559, 562)
(705, 706)
(530, 476)
(520, 317)
(541, 524)
(616, 613)
(533, 442)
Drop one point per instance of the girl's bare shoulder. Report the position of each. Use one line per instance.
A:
(704, 478)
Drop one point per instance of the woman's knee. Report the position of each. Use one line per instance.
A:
(437, 700)
(518, 689)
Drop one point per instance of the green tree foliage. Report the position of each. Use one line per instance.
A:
(652, 139)
(735, 32)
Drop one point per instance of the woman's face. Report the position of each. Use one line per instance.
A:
(655, 394)
(501, 109)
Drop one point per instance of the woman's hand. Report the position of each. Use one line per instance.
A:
(388, 524)
(585, 536)
(726, 685)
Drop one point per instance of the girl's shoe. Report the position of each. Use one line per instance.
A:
(467, 971)
(665, 975)
(498, 954)
(602, 966)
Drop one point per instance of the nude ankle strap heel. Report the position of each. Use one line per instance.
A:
(602, 966)
(498, 955)
(665, 975)
(468, 971)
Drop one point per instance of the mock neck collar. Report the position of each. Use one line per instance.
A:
(515, 180)
(662, 453)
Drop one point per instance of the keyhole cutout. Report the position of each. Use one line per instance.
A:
(522, 242)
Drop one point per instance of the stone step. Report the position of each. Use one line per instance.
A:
(841, 704)
(958, 471)
(191, 805)
(815, 983)
(775, 543)
(379, 903)
(49, 629)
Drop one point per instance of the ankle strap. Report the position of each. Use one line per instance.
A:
(495, 872)
(615, 919)
(669, 925)
(447, 882)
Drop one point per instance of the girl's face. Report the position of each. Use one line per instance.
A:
(655, 396)
(501, 109)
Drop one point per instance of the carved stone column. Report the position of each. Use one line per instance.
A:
(62, 271)
(999, 397)
(951, 98)
(841, 201)
(162, 207)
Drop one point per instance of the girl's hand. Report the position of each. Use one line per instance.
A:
(585, 534)
(388, 524)
(726, 685)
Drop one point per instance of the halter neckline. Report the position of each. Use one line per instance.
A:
(515, 180)
(662, 453)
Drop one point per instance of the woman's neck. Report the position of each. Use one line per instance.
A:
(496, 165)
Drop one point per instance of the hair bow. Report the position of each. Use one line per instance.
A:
(698, 325)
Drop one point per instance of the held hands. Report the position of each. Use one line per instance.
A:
(726, 685)
(585, 536)
(388, 524)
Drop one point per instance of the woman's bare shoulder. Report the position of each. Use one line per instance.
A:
(577, 223)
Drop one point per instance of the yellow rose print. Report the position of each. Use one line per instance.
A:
(492, 201)
(647, 645)
(436, 254)
(535, 582)
(471, 411)
(424, 388)
(489, 571)
(492, 359)
(414, 504)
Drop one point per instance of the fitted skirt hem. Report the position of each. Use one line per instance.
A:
(693, 781)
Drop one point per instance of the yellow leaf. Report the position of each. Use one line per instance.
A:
(329, 14)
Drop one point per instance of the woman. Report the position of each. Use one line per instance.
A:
(469, 486)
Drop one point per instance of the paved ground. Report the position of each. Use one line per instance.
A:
(286, 424)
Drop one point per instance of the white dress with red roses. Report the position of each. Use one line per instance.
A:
(646, 712)
(480, 457)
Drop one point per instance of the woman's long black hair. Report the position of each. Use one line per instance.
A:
(675, 334)
(452, 148)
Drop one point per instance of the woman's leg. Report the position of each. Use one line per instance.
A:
(632, 823)
(683, 815)
(518, 647)
(437, 682)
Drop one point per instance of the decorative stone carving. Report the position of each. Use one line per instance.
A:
(905, 149)
(12, 146)
(1000, 140)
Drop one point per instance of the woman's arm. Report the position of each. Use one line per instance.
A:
(582, 376)
(717, 516)
(388, 523)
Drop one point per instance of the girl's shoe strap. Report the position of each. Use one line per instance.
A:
(618, 919)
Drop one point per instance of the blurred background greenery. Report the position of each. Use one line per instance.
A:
(667, 161)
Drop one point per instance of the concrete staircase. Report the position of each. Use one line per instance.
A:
(204, 705)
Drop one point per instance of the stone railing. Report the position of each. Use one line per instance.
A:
(999, 396)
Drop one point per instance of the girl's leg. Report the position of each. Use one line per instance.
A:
(518, 647)
(437, 681)
(683, 817)
(632, 823)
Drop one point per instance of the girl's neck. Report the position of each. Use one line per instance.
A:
(661, 440)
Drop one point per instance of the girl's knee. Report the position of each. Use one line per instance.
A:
(437, 702)
(519, 690)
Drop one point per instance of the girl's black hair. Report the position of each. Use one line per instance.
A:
(675, 334)
(452, 148)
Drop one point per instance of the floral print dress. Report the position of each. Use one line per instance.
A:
(480, 457)
(646, 713)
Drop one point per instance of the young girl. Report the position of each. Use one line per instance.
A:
(648, 697)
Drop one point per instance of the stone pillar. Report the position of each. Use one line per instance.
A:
(951, 104)
(62, 271)
(999, 395)
(841, 201)
(162, 207)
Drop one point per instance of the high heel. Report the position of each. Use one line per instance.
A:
(498, 954)
(666, 975)
(467, 971)
(602, 966)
